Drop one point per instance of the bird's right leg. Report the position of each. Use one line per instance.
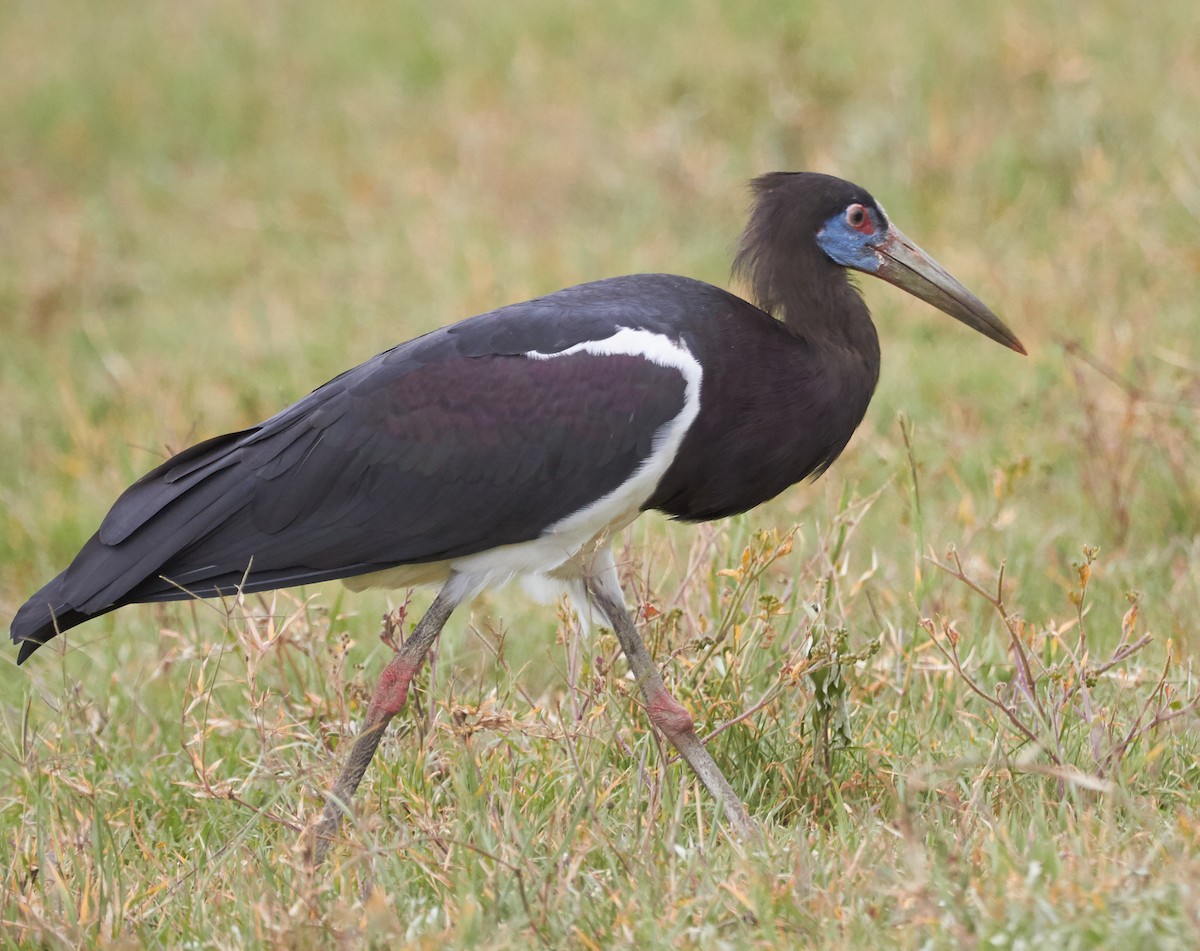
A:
(388, 699)
(666, 713)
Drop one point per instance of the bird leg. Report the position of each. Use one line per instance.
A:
(665, 711)
(387, 700)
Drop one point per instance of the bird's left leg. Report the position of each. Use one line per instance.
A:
(665, 711)
(390, 693)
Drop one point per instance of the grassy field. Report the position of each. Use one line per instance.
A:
(209, 208)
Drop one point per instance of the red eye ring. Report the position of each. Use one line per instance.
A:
(858, 218)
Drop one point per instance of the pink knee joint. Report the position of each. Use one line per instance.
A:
(392, 689)
(668, 714)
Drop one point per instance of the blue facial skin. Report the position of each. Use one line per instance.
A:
(851, 248)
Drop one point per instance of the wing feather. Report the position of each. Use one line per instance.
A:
(452, 444)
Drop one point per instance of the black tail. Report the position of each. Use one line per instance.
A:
(187, 530)
(45, 615)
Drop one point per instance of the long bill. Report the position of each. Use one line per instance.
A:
(904, 264)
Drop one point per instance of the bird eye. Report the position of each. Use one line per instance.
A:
(858, 219)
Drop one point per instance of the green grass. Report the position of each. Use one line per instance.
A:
(209, 208)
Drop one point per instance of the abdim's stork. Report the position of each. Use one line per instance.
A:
(516, 443)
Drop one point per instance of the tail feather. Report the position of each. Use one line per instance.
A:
(44, 616)
(48, 613)
(160, 513)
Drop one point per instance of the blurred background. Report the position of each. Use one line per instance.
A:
(209, 208)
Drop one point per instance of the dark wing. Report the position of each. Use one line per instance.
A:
(451, 444)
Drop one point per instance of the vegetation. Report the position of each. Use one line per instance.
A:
(962, 659)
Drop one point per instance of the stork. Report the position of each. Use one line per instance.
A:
(517, 443)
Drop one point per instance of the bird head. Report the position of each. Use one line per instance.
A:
(859, 236)
(852, 230)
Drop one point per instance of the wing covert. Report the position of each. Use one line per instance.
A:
(418, 461)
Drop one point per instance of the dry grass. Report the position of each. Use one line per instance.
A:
(209, 208)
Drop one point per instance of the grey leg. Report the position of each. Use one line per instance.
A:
(387, 700)
(665, 711)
